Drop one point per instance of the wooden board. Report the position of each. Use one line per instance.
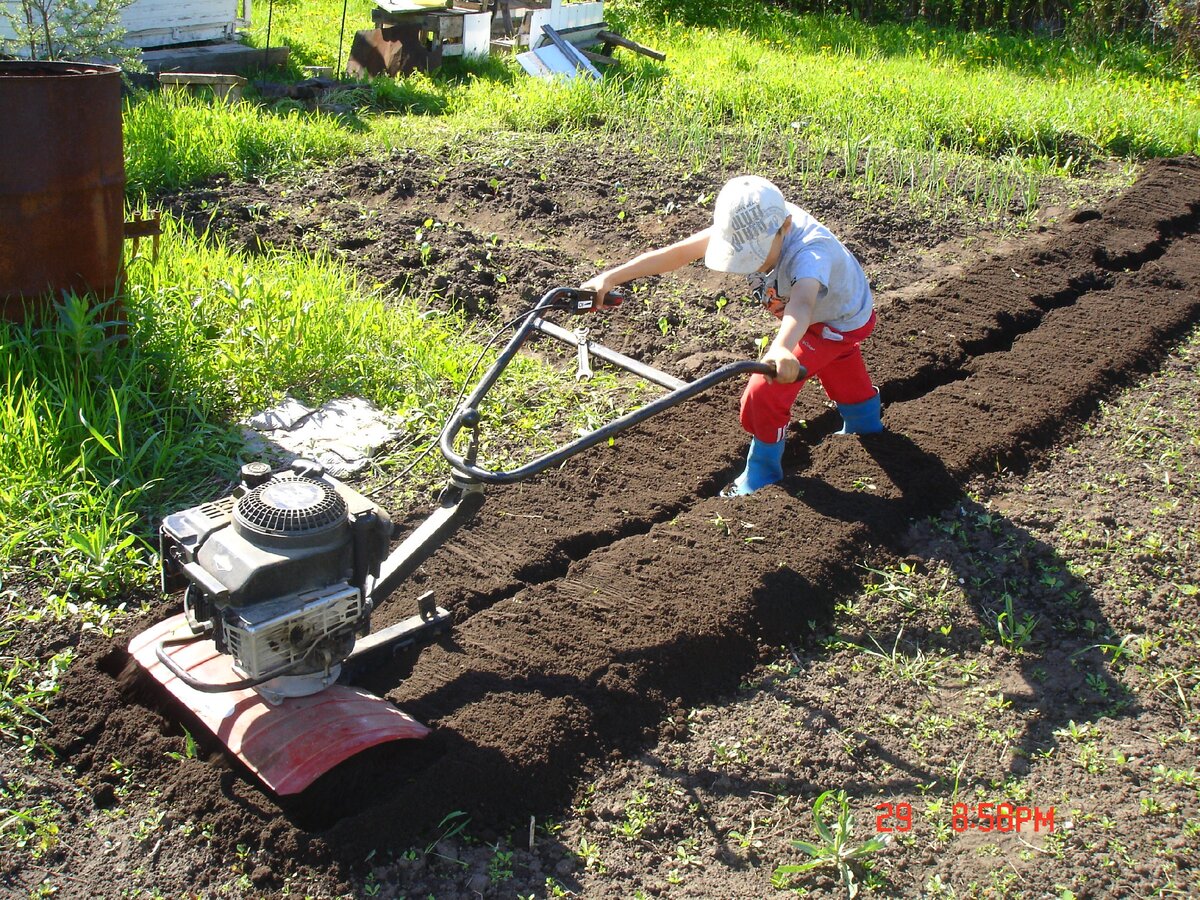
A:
(159, 23)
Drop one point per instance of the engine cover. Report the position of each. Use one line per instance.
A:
(278, 569)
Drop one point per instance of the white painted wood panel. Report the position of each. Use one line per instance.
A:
(564, 15)
(153, 23)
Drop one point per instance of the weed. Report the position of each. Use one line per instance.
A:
(149, 824)
(747, 840)
(27, 825)
(452, 825)
(189, 748)
(638, 816)
(500, 865)
(590, 855)
(1013, 633)
(26, 688)
(918, 666)
(836, 849)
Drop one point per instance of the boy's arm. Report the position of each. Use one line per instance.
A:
(652, 262)
(797, 316)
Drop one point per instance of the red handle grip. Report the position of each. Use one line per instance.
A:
(575, 300)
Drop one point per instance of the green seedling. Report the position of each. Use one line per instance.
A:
(638, 817)
(452, 825)
(189, 748)
(1013, 633)
(590, 854)
(917, 666)
(500, 867)
(836, 849)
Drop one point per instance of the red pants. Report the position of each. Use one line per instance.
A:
(767, 405)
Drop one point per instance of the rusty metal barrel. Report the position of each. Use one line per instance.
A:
(62, 182)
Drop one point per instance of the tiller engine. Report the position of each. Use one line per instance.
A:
(280, 579)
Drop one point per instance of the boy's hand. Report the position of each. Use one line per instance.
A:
(787, 367)
(601, 285)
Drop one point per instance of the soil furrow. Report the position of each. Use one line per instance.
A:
(923, 344)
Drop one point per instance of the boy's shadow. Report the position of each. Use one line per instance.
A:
(1023, 595)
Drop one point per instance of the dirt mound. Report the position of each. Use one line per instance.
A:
(594, 601)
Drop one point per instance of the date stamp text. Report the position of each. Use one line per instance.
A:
(1001, 817)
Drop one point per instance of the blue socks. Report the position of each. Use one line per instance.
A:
(764, 465)
(861, 418)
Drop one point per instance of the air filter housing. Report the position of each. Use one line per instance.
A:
(290, 511)
(292, 532)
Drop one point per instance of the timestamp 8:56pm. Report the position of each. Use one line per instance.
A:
(981, 817)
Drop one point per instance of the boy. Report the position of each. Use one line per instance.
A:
(816, 288)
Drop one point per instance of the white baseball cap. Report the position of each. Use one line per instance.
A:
(748, 214)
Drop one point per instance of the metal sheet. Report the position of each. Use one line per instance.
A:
(290, 745)
(560, 58)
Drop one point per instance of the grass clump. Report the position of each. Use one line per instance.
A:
(243, 330)
(836, 848)
(173, 140)
(90, 430)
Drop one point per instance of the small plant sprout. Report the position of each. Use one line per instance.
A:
(1012, 633)
(836, 849)
(638, 815)
(189, 748)
(500, 866)
(452, 825)
(746, 840)
(590, 855)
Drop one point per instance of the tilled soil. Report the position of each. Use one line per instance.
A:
(595, 602)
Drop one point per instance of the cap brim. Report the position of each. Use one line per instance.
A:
(722, 256)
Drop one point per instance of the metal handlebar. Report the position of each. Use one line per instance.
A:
(468, 416)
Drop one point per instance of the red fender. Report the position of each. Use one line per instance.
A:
(288, 745)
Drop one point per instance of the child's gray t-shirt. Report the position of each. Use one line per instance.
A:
(810, 250)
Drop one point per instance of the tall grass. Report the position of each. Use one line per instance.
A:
(172, 140)
(311, 31)
(92, 432)
(779, 87)
(242, 330)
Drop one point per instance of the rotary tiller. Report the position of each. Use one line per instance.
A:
(280, 578)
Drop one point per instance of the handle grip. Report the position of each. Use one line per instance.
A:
(577, 300)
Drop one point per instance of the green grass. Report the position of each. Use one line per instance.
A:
(172, 140)
(243, 330)
(89, 429)
(311, 31)
(933, 111)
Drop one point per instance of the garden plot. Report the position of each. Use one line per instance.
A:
(600, 601)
